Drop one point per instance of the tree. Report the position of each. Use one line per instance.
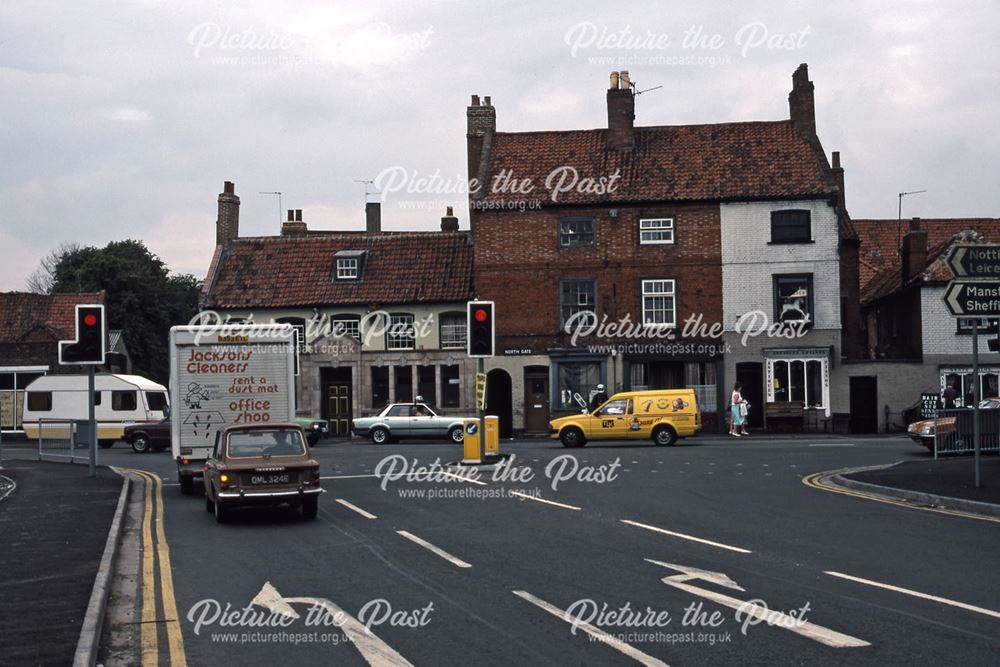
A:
(42, 280)
(143, 299)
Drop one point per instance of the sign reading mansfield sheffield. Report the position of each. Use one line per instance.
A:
(977, 292)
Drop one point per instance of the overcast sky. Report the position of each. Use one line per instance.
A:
(123, 119)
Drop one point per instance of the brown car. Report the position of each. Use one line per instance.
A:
(261, 465)
(922, 432)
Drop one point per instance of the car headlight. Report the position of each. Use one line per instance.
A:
(928, 429)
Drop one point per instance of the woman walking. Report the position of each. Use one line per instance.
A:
(737, 423)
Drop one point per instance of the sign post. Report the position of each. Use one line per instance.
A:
(974, 294)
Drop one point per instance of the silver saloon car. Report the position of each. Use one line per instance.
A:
(408, 420)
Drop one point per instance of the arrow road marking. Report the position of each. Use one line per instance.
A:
(375, 651)
(594, 632)
(917, 594)
(720, 545)
(433, 549)
(772, 617)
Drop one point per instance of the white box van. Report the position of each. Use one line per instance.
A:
(119, 400)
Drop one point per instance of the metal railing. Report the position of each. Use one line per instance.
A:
(62, 439)
(953, 431)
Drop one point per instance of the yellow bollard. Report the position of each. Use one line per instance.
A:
(492, 435)
(472, 452)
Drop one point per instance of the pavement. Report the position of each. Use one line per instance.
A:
(944, 478)
(718, 545)
(54, 522)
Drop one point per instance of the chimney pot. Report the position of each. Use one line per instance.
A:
(449, 223)
(614, 81)
(229, 188)
(915, 224)
(625, 81)
(488, 101)
(291, 215)
(836, 159)
(298, 215)
(475, 101)
(450, 211)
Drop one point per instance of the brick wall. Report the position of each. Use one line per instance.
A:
(519, 264)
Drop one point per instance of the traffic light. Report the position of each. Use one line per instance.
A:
(90, 344)
(481, 328)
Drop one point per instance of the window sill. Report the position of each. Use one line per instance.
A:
(791, 242)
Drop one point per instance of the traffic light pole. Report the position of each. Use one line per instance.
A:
(91, 423)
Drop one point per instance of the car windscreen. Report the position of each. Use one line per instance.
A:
(156, 400)
(265, 443)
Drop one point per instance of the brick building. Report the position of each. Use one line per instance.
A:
(913, 345)
(31, 326)
(381, 314)
(629, 224)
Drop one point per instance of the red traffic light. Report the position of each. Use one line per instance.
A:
(90, 319)
(481, 315)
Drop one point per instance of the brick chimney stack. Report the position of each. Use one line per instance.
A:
(449, 223)
(294, 225)
(227, 225)
(621, 112)
(801, 106)
(482, 125)
(914, 253)
(838, 176)
(373, 217)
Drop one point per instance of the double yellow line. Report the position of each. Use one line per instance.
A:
(157, 553)
(819, 481)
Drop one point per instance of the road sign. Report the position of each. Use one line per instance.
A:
(975, 261)
(481, 391)
(973, 298)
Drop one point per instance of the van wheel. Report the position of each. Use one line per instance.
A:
(664, 436)
(456, 434)
(379, 435)
(105, 444)
(140, 444)
(572, 438)
(187, 484)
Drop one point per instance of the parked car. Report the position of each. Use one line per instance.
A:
(922, 431)
(313, 428)
(146, 437)
(266, 464)
(408, 420)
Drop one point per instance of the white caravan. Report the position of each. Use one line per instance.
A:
(52, 400)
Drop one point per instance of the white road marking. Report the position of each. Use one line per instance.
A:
(13, 485)
(750, 608)
(350, 477)
(367, 515)
(594, 632)
(687, 537)
(918, 594)
(463, 478)
(375, 651)
(433, 549)
(543, 500)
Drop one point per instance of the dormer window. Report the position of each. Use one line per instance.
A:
(348, 265)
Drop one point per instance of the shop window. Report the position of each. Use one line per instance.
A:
(577, 380)
(426, 384)
(404, 384)
(797, 380)
(380, 386)
(450, 386)
(700, 376)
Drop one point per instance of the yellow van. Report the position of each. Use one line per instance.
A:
(660, 415)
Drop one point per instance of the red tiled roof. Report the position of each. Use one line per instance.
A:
(880, 268)
(24, 314)
(400, 267)
(729, 161)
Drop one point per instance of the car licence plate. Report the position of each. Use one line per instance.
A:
(269, 479)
